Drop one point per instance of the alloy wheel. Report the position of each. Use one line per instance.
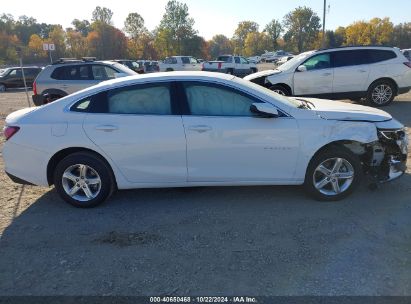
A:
(381, 94)
(333, 176)
(81, 182)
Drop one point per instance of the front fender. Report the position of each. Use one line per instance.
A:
(315, 134)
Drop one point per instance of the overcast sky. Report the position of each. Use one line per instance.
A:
(211, 16)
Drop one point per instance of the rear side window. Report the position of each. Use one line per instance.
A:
(351, 57)
(148, 100)
(102, 72)
(75, 72)
(185, 60)
(381, 55)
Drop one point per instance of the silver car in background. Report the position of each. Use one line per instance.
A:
(69, 75)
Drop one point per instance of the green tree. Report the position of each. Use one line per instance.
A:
(256, 43)
(102, 14)
(274, 30)
(134, 25)
(176, 28)
(302, 25)
(81, 26)
(401, 35)
(219, 45)
(240, 34)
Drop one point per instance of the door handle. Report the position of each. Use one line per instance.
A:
(200, 128)
(106, 128)
(326, 74)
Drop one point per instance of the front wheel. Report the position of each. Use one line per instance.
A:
(280, 90)
(333, 174)
(83, 179)
(381, 93)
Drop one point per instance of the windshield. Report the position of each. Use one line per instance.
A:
(287, 65)
(4, 72)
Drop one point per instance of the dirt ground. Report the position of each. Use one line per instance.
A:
(206, 241)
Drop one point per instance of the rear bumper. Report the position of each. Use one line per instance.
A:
(38, 100)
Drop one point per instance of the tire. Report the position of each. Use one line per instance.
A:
(2, 87)
(279, 89)
(97, 182)
(253, 70)
(169, 70)
(50, 98)
(230, 72)
(381, 93)
(321, 179)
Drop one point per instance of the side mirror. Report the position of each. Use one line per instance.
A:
(118, 75)
(264, 109)
(302, 68)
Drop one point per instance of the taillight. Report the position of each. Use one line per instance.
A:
(34, 88)
(408, 64)
(219, 65)
(10, 131)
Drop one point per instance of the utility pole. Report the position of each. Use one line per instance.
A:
(323, 40)
(20, 54)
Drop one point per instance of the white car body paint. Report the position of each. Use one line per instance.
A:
(237, 151)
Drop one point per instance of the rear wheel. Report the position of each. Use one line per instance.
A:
(333, 174)
(2, 87)
(280, 90)
(381, 93)
(230, 72)
(83, 179)
(169, 70)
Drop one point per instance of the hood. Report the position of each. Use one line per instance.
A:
(15, 116)
(337, 110)
(261, 74)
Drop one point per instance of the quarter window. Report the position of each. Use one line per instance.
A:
(140, 100)
(381, 55)
(321, 61)
(213, 100)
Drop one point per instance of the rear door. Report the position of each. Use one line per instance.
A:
(72, 78)
(318, 77)
(139, 128)
(351, 70)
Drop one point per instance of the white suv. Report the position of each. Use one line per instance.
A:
(375, 73)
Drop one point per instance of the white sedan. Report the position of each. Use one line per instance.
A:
(183, 129)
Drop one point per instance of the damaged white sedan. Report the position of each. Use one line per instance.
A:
(185, 129)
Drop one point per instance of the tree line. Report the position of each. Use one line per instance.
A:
(298, 31)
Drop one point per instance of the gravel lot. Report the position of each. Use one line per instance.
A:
(206, 241)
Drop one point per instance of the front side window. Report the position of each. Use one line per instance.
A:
(237, 59)
(153, 100)
(243, 60)
(318, 62)
(216, 100)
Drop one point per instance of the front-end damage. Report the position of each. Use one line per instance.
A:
(385, 159)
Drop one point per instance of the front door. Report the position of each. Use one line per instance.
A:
(317, 78)
(227, 142)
